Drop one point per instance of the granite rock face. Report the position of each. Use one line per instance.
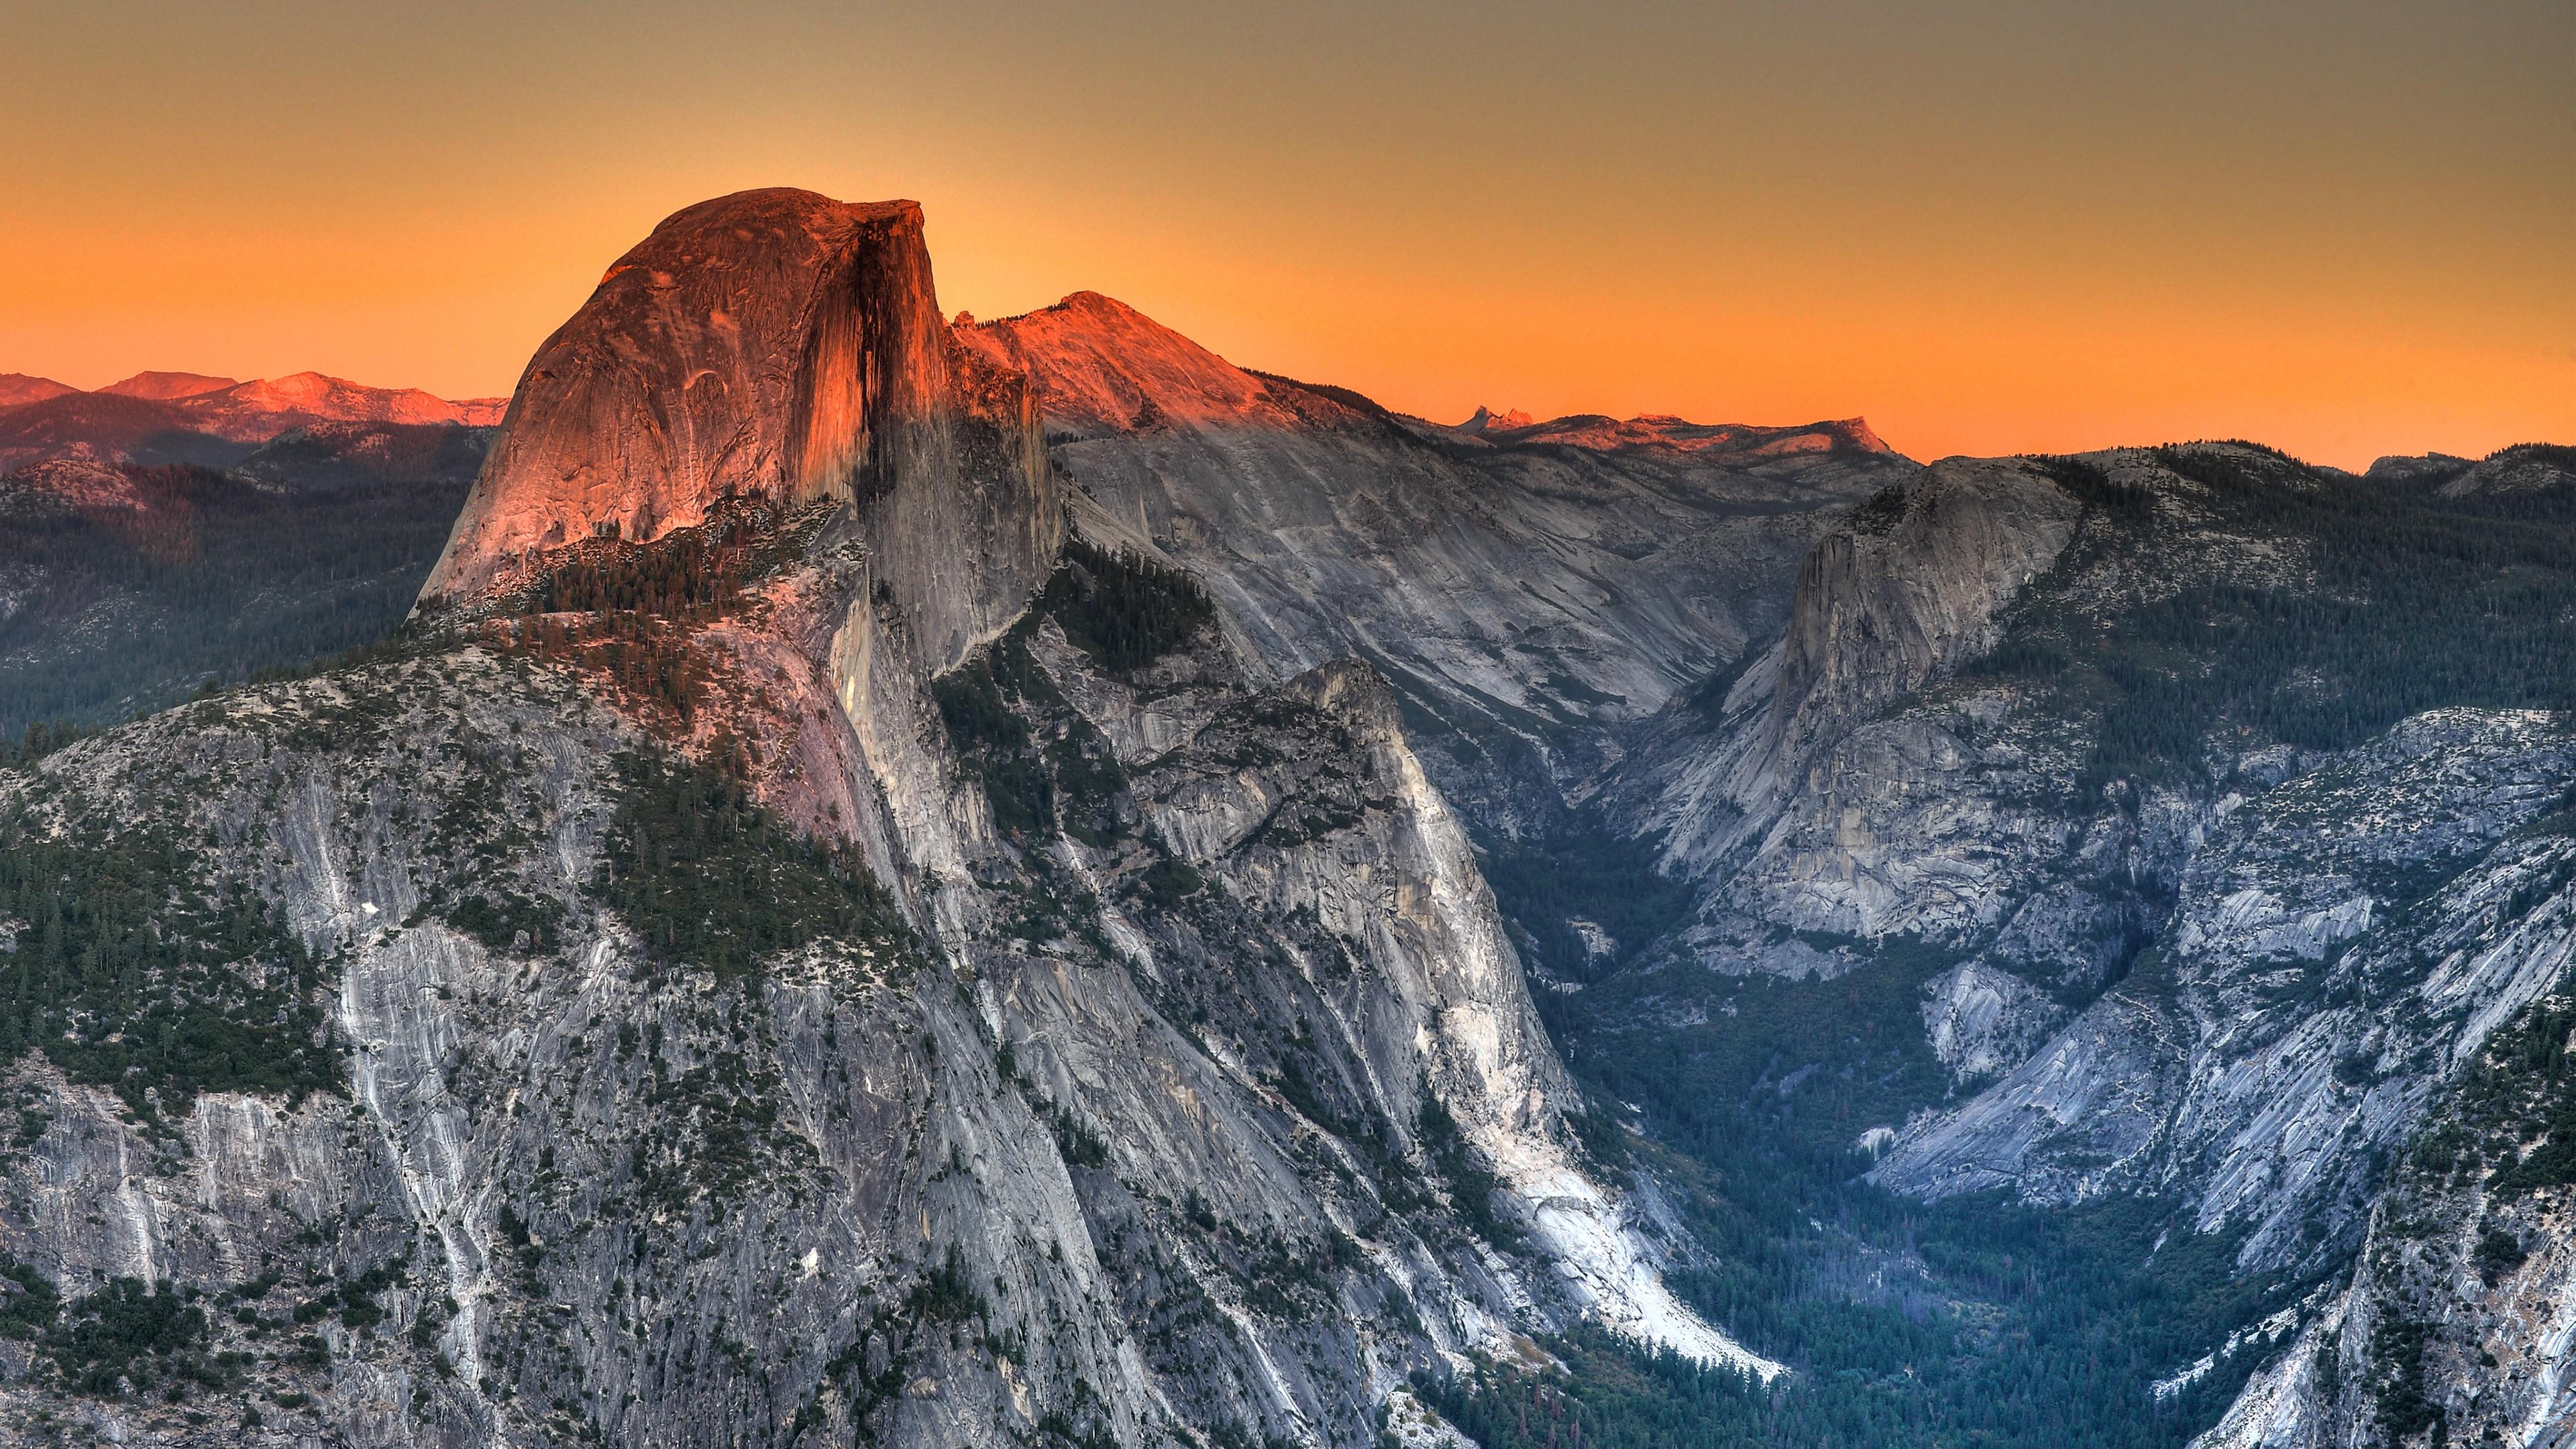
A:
(2524, 473)
(2245, 987)
(1075, 1150)
(912, 882)
(1893, 598)
(782, 346)
(2307, 1003)
(2456, 1322)
(1528, 593)
(1164, 1070)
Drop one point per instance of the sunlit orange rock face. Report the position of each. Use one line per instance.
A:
(1104, 367)
(257, 411)
(169, 386)
(1678, 435)
(129, 420)
(782, 345)
(17, 388)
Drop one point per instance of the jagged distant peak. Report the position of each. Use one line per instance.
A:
(1486, 420)
(169, 386)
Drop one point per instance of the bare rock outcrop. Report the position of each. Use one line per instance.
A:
(1529, 594)
(783, 346)
(1116, 1044)
(1910, 586)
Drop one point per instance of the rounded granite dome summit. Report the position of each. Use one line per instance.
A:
(773, 343)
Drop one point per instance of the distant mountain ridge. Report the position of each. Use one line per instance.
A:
(1528, 588)
(916, 881)
(1104, 367)
(186, 417)
(176, 527)
(18, 387)
(169, 386)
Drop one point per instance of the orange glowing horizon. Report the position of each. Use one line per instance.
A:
(2339, 230)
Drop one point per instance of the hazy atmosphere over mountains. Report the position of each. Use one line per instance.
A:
(832, 873)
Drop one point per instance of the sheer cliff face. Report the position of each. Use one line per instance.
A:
(1528, 593)
(2458, 1324)
(1120, 1044)
(1903, 591)
(1864, 782)
(1148, 1065)
(1752, 790)
(2272, 987)
(783, 346)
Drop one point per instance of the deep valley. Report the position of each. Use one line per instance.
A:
(840, 875)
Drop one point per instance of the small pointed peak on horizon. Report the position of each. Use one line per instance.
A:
(1861, 435)
(1486, 420)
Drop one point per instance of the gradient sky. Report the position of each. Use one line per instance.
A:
(2347, 229)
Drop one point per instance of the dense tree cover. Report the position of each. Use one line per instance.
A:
(645, 658)
(1124, 610)
(39, 740)
(1061, 775)
(503, 919)
(2514, 1112)
(1609, 1395)
(214, 577)
(992, 740)
(29, 1302)
(131, 971)
(1578, 871)
(2377, 603)
(127, 1336)
(689, 572)
(708, 878)
(626, 609)
(2534, 499)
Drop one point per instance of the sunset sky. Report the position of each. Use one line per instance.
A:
(2348, 229)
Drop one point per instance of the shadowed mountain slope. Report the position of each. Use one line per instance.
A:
(791, 943)
(1525, 598)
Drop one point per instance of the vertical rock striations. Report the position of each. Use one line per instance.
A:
(1121, 1047)
(1528, 593)
(782, 346)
